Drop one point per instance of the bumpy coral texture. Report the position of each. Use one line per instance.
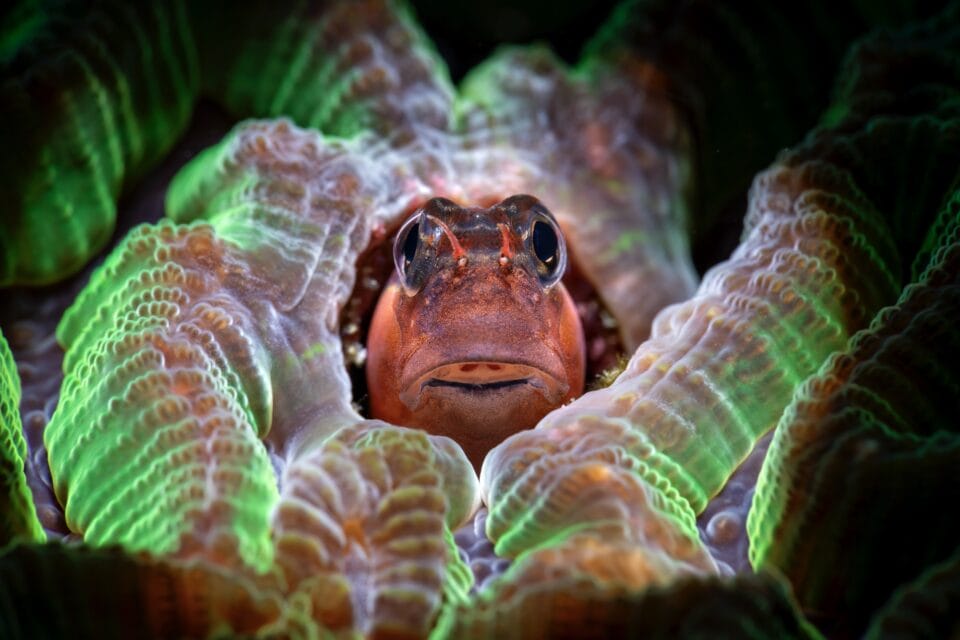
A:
(18, 520)
(205, 447)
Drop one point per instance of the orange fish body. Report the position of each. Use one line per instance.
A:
(475, 337)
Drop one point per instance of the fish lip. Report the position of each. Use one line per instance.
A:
(474, 386)
(484, 376)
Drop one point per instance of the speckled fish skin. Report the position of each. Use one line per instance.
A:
(228, 325)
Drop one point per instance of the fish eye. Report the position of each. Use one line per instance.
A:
(405, 247)
(545, 243)
(549, 248)
(410, 243)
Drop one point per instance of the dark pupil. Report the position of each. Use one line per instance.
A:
(545, 243)
(411, 241)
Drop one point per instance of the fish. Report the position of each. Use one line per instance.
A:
(475, 332)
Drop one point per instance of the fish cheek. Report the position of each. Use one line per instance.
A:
(569, 340)
(384, 358)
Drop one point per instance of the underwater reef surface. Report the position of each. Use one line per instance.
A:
(184, 445)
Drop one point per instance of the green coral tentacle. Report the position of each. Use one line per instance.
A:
(154, 444)
(18, 521)
(56, 590)
(818, 259)
(924, 608)
(747, 606)
(767, 67)
(860, 438)
(101, 96)
(98, 96)
(343, 68)
(854, 436)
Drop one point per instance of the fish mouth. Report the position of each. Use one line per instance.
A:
(484, 378)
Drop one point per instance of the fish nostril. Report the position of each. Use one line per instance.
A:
(494, 367)
(466, 368)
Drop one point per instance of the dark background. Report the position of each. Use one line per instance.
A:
(466, 33)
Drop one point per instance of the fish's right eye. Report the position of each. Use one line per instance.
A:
(405, 247)
(410, 244)
(547, 245)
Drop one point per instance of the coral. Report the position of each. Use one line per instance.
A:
(857, 431)
(19, 519)
(147, 596)
(747, 606)
(205, 447)
(95, 106)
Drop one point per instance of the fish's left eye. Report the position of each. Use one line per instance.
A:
(545, 243)
(549, 248)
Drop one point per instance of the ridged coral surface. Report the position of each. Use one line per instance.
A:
(170, 447)
(18, 520)
(856, 431)
(215, 474)
(94, 106)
